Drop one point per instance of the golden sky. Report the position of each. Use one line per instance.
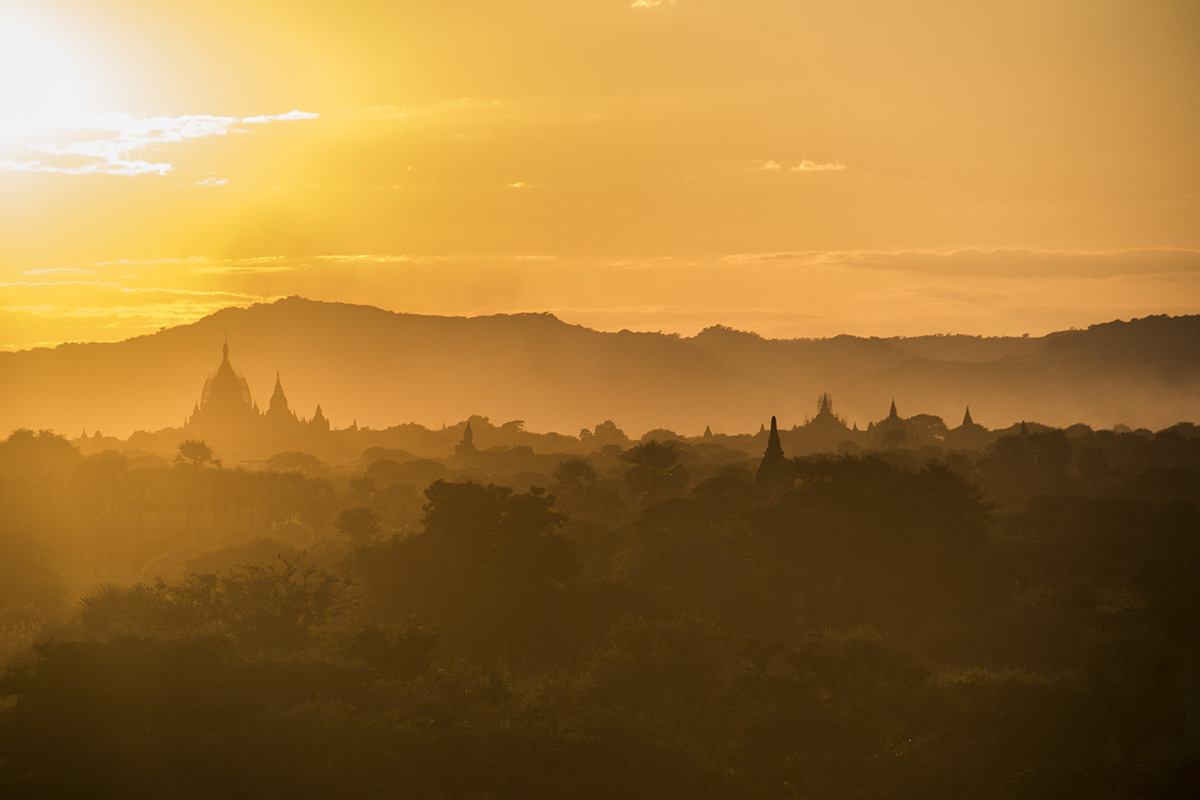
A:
(789, 167)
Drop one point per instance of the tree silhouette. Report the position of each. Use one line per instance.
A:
(574, 472)
(357, 523)
(489, 569)
(654, 471)
(26, 577)
(35, 473)
(103, 481)
(194, 452)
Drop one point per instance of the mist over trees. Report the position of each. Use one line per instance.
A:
(621, 618)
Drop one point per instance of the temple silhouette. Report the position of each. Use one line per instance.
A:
(827, 432)
(226, 416)
(225, 402)
(466, 448)
(226, 408)
(774, 474)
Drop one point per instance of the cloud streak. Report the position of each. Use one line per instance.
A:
(998, 262)
(812, 166)
(57, 271)
(123, 289)
(806, 165)
(106, 144)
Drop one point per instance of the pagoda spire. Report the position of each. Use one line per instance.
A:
(967, 418)
(467, 446)
(279, 404)
(892, 414)
(774, 472)
(773, 445)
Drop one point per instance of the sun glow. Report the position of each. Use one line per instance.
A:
(44, 83)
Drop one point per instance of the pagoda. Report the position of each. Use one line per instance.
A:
(774, 474)
(225, 402)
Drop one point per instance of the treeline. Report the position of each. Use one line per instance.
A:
(640, 622)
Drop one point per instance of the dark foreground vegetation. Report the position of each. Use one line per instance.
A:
(1016, 623)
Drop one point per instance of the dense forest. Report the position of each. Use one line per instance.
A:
(640, 620)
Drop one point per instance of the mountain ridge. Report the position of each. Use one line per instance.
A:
(378, 367)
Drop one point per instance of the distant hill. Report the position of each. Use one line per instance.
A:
(381, 368)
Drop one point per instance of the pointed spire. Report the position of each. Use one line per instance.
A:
(773, 445)
(279, 404)
(774, 472)
(892, 414)
(319, 422)
(967, 418)
(707, 431)
(225, 351)
(1023, 431)
(467, 446)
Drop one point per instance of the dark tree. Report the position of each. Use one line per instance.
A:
(654, 471)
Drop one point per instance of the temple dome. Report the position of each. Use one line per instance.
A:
(226, 398)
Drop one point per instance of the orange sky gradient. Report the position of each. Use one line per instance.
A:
(792, 168)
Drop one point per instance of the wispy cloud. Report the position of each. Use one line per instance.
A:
(122, 289)
(812, 166)
(199, 262)
(394, 258)
(994, 262)
(352, 258)
(240, 269)
(291, 116)
(448, 110)
(651, 3)
(106, 144)
(57, 271)
(804, 166)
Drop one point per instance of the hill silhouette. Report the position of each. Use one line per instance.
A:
(381, 368)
